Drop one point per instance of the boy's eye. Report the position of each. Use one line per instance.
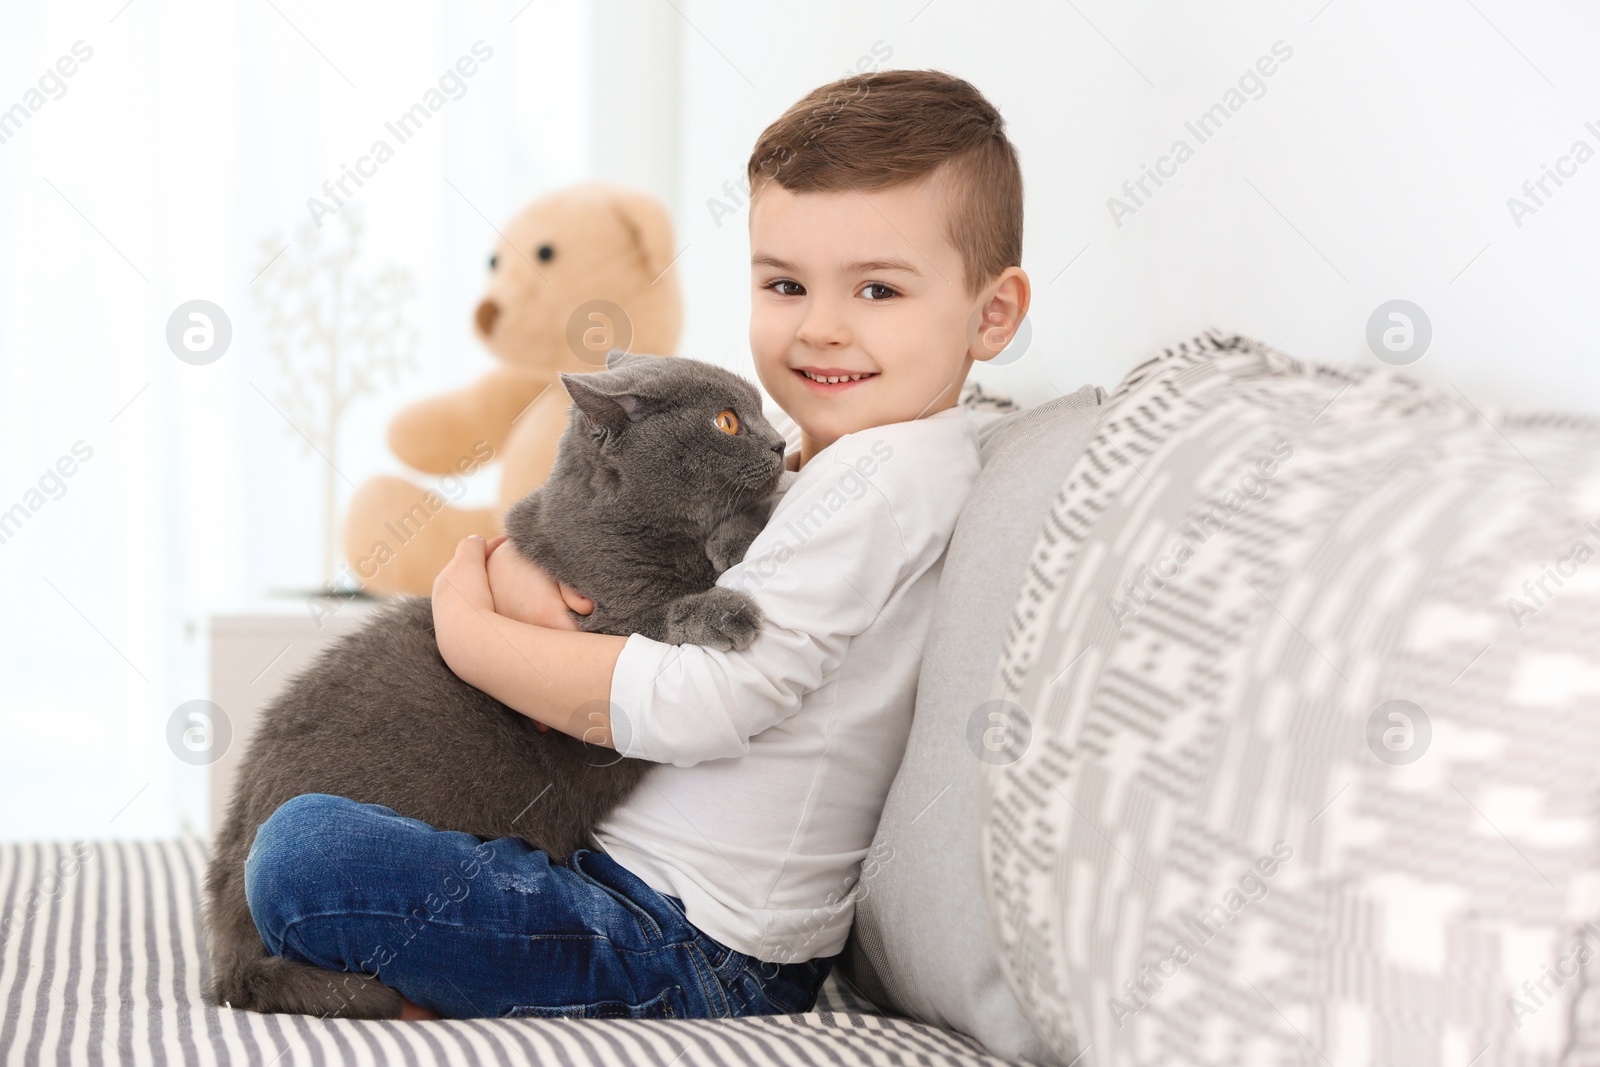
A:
(727, 421)
(888, 292)
(773, 285)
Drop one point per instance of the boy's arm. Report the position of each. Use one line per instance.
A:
(558, 677)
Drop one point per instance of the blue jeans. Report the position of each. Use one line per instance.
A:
(471, 928)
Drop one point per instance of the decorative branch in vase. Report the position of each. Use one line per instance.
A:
(333, 328)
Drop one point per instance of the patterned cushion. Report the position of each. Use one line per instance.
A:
(101, 961)
(1297, 729)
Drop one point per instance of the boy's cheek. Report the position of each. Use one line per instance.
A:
(771, 330)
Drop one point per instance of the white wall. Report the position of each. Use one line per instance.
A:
(1375, 165)
(634, 107)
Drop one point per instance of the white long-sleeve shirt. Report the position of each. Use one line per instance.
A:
(775, 760)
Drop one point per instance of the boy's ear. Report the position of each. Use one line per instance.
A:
(1003, 318)
(605, 400)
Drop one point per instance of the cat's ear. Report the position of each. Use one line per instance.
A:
(604, 400)
(621, 357)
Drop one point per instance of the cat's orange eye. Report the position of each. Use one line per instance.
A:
(727, 421)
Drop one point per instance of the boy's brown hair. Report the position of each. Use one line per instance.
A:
(894, 127)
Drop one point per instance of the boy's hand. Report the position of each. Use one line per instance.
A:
(464, 580)
(523, 591)
(461, 600)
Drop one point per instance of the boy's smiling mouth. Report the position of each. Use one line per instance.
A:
(832, 379)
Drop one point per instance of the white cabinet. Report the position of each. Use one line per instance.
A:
(253, 654)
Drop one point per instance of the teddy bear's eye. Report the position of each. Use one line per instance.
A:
(494, 261)
(546, 253)
(727, 421)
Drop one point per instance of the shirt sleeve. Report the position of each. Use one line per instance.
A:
(821, 571)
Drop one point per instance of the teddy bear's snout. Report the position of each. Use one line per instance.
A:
(486, 316)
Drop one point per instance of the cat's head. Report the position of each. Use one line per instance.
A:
(676, 429)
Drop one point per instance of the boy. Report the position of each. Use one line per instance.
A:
(885, 231)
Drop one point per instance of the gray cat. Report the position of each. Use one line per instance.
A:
(662, 479)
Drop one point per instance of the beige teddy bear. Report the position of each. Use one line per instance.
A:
(581, 271)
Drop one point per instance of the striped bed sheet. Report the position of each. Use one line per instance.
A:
(101, 963)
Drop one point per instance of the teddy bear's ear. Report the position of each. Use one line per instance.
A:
(648, 224)
(606, 405)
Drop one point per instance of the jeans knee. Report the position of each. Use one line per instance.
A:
(296, 823)
(284, 860)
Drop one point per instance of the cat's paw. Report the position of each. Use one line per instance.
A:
(718, 618)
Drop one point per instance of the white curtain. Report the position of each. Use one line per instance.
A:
(154, 153)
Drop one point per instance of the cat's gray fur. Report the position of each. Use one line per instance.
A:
(648, 502)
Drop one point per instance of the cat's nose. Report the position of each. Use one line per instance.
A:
(778, 448)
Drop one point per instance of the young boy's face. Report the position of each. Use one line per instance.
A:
(858, 283)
